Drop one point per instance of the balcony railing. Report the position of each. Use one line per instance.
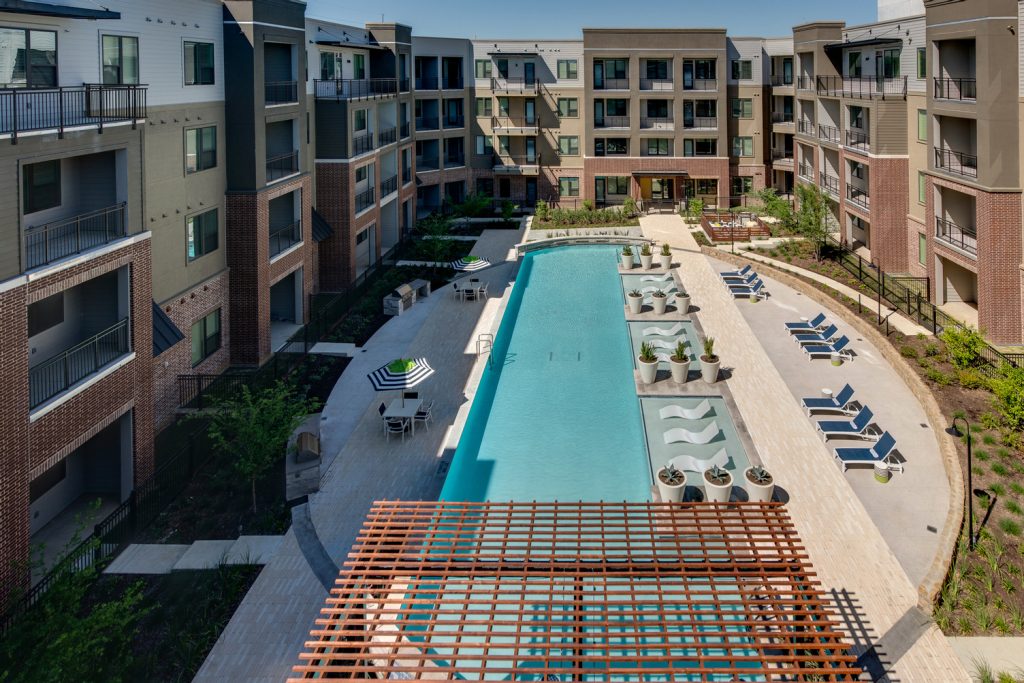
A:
(406, 130)
(806, 128)
(509, 162)
(389, 186)
(454, 160)
(355, 88)
(404, 85)
(783, 117)
(453, 83)
(701, 122)
(387, 136)
(362, 144)
(285, 237)
(806, 171)
(613, 84)
(426, 83)
(521, 86)
(66, 237)
(612, 122)
(958, 163)
(454, 121)
(829, 183)
(365, 199)
(58, 374)
(783, 156)
(700, 84)
(805, 83)
(513, 122)
(858, 196)
(858, 138)
(658, 84)
(423, 164)
(863, 87)
(782, 81)
(281, 92)
(23, 110)
(828, 134)
(963, 89)
(657, 122)
(282, 166)
(427, 123)
(960, 237)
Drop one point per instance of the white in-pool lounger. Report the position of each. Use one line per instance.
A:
(695, 413)
(680, 435)
(667, 344)
(667, 277)
(661, 332)
(688, 463)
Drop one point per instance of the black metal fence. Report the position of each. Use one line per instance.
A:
(24, 110)
(285, 237)
(355, 88)
(56, 375)
(282, 166)
(280, 92)
(59, 239)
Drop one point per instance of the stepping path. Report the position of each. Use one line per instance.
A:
(146, 558)
(876, 601)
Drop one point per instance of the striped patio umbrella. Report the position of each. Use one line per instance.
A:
(470, 264)
(403, 373)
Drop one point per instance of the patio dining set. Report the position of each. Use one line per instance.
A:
(471, 290)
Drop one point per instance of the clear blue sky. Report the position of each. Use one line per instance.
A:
(565, 18)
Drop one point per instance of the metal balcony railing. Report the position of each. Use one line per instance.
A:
(613, 84)
(780, 81)
(612, 122)
(453, 83)
(858, 196)
(426, 83)
(806, 171)
(355, 88)
(281, 92)
(782, 155)
(863, 87)
(700, 84)
(427, 123)
(282, 166)
(454, 160)
(285, 237)
(387, 136)
(858, 138)
(805, 83)
(513, 122)
(959, 163)
(509, 161)
(962, 89)
(389, 186)
(362, 144)
(365, 199)
(454, 121)
(783, 117)
(23, 110)
(68, 236)
(960, 237)
(829, 183)
(700, 122)
(828, 134)
(657, 122)
(806, 128)
(521, 86)
(658, 84)
(58, 374)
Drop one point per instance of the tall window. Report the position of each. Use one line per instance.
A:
(483, 68)
(922, 63)
(41, 188)
(743, 146)
(700, 147)
(569, 187)
(568, 69)
(202, 232)
(922, 125)
(359, 120)
(922, 248)
(198, 63)
(484, 106)
(503, 106)
(853, 68)
(569, 145)
(484, 145)
(922, 188)
(358, 67)
(743, 108)
(888, 63)
(742, 70)
(331, 65)
(200, 149)
(658, 147)
(658, 69)
(120, 60)
(568, 107)
(205, 337)
(742, 185)
(29, 58)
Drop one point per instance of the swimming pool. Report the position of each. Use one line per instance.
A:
(557, 417)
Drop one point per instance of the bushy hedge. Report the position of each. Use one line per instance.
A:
(587, 216)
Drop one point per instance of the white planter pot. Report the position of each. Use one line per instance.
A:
(636, 304)
(709, 371)
(659, 303)
(667, 493)
(646, 261)
(683, 304)
(680, 371)
(666, 261)
(627, 262)
(717, 493)
(758, 493)
(648, 371)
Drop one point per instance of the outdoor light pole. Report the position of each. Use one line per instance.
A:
(970, 486)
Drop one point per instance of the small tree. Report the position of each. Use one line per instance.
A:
(508, 211)
(474, 205)
(775, 206)
(433, 231)
(963, 345)
(253, 428)
(811, 218)
(694, 210)
(1009, 390)
(629, 208)
(542, 211)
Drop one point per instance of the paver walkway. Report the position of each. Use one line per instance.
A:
(162, 558)
(876, 599)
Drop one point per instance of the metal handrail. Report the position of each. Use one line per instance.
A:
(783, 117)
(519, 85)
(701, 122)
(613, 84)
(960, 237)
(59, 373)
(502, 122)
(700, 84)
(829, 183)
(959, 163)
(387, 136)
(858, 196)
(664, 122)
(389, 185)
(458, 121)
(962, 89)
(280, 92)
(282, 166)
(361, 144)
(365, 199)
(23, 110)
(285, 237)
(657, 84)
(806, 171)
(828, 133)
(806, 127)
(354, 88)
(427, 123)
(509, 160)
(858, 138)
(862, 87)
(68, 236)
(612, 122)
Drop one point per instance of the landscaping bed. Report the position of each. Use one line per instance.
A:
(588, 217)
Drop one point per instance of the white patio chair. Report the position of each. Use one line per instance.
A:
(696, 413)
(706, 435)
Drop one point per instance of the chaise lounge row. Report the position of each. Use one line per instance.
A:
(883, 450)
(817, 338)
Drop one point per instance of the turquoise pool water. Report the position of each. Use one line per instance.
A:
(557, 417)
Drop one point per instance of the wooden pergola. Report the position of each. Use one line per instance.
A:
(577, 592)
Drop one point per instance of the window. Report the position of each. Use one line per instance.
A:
(568, 107)
(45, 482)
(857, 171)
(331, 66)
(363, 236)
(922, 188)
(30, 58)
(203, 230)
(359, 120)
(611, 147)
(657, 69)
(42, 186)
(363, 172)
(888, 62)
(205, 337)
(742, 70)
(503, 106)
(358, 66)
(483, 68)
(198, 63)
(743, 146)
(200, 149)
(922, 125)
(616, 69)
(658, 147)
(483, 145)
(742, 185)
(922, 63)
(567, 69)
(45, 313)
(569, 145)
(853, 69)
(502, 67)
(569, 187)
(922, 248)
(484, 106)
(616, 184)
(743, 108)
(485, 186)
(120, 60)
(857, 117)
(700, 147)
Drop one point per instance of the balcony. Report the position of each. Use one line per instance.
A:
(783, 117)
(863, 88)
(657, 123)
(454, 160)
(858, 139)
(282, 166)
(612, 122)
(427, 123)
(701, 123)
(280, 92)
(69, 236)
(613, 84)
(362, 144)
(453, 83)
(426, 83)
(965, 239)
(782, 159)
(387, 136)
(454, 121)
(957, 163)
(700, 84)
(285, 237)
(61, 372)
(956, 89)
(356, 89)
(365, 200)
(515, 86)
(806, 172)
(58, 109)
(406, 130)
(782, 81)
(657, 84)
(829, 183)
(806, 128)
(805, 83)
(828, 134)
(858, 196)
(509, 125)
(389, 186)
(423, 164)
(517, 165)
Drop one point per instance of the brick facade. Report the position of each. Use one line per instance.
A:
(716, 167)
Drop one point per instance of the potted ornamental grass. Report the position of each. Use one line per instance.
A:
(666, 256)
(635, 299)
(671, 484)
(659, 299)
(680, 363)
(717, 485)
(710, 363)
(760, 485)
(683, 301)
(627, 258)
(648, 363)
(646, 256)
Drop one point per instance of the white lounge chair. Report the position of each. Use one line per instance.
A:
(695, 413)
(667, 277)
(706, 435)
(667, 344)
(688, 463)
(661, 332)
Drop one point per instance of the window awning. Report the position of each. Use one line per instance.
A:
(347, 43)
(661, 174)
(321, 228)
(165, 333)
(45, 9)
(513, 54)
(835, 50)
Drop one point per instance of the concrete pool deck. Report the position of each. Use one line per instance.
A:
(877, 601)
